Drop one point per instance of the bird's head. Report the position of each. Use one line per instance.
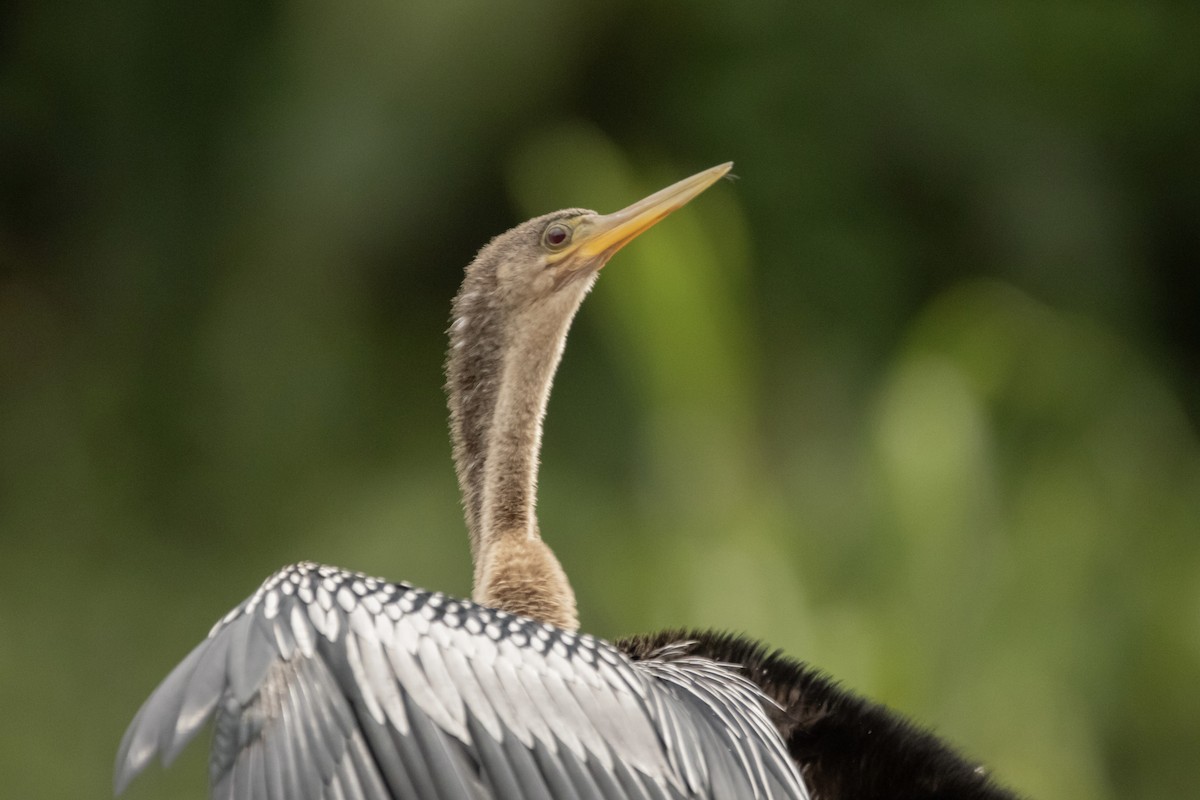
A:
(546, 265)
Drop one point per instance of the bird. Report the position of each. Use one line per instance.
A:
(329, 683)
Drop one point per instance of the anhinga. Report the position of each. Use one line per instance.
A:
(331, 684)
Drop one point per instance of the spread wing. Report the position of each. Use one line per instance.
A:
(331, 684)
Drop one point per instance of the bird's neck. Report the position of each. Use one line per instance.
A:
(508, 496)
(498, 402)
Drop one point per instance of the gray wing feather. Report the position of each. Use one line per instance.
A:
(494, 764)
(204, 686)
(558, 779)
(327, 684)
(528, 776)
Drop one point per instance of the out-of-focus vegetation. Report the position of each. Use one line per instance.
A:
(915, 399)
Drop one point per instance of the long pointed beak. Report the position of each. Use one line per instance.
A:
(605, 235)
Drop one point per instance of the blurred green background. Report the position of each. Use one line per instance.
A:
(915, 399)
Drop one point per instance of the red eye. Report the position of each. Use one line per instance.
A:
(556, 235)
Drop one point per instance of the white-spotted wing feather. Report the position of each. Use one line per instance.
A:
(330, 684)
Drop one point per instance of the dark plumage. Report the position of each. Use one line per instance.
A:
(847, 746)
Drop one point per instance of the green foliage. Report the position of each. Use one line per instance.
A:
(914, 399)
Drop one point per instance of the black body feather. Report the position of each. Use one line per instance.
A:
(848, 747)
